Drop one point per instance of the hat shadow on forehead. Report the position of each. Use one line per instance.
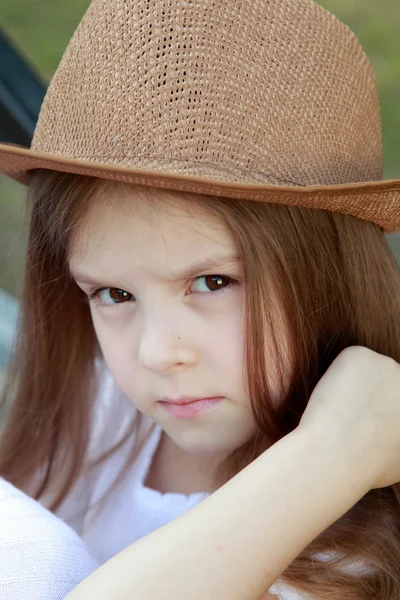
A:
(273, 101)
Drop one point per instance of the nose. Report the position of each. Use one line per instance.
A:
(163, 345)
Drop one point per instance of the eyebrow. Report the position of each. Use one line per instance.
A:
(208, 264)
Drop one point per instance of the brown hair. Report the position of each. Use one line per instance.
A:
(338, 284)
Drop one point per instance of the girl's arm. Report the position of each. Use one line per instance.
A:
(237, 542)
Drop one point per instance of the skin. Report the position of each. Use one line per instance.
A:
(169, 338)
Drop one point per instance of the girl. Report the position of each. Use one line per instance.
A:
(206, 241)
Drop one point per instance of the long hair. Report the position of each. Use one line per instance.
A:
(338, 285)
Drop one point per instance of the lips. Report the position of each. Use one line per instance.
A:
(187, 399)
(181, 408)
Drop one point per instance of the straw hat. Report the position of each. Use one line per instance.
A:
(269, 100)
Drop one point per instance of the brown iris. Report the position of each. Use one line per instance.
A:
(215, 282)
(118, 295)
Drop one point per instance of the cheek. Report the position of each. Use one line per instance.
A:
(116, 351)
(124, 368)
(225, 347)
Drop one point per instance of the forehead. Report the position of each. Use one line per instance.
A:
(163, 230)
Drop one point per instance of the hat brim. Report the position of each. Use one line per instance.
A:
(374, 201)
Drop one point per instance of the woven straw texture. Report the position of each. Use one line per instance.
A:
(272, 92)
(156, 76)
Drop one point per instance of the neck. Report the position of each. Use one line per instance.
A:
(174, 470)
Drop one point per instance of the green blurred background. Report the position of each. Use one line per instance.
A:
(41, 30)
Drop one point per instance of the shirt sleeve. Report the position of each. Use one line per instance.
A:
(41, 557)
(112, 417)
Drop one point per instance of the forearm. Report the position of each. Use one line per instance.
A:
(237, 542)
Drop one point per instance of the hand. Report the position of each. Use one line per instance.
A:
(358, 402)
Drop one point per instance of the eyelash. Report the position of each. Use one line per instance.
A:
(232, 283)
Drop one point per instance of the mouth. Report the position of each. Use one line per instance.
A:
(187, 408)
(187, 400)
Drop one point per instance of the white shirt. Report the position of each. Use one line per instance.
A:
(41, 557)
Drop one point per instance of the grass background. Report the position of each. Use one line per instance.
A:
(42, 29)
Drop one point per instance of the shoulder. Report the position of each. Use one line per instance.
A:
(112, 420)
(111, 417)
(41, 557)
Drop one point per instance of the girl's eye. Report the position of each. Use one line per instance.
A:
(206, 283)
(212, 283)
(111, 296)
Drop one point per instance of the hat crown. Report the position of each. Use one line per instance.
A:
(269, 91)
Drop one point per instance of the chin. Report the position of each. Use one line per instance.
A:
(206, 446)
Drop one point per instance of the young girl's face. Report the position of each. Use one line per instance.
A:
(167, 303)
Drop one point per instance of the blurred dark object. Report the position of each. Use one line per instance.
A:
(9, 308)
(21, 95)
